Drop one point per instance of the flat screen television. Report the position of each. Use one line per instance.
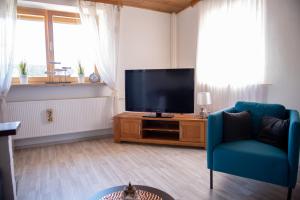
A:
(159, 91)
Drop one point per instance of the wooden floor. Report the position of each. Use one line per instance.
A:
(78, 170)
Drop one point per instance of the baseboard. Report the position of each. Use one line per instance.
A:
(61, 139)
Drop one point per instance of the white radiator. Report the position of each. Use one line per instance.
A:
(69, 116)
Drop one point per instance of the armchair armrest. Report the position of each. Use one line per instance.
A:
(293, 147)
(214, 133)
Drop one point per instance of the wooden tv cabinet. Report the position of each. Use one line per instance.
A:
(182, 129)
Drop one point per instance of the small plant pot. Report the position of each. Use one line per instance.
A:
(81, 79)
(23, 79)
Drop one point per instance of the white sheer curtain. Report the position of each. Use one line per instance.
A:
(231, 51)
(7, 30)
(101, 27)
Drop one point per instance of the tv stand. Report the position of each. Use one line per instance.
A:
(180, 130)
(158, 115)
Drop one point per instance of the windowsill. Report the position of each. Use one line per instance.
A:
(42, 84)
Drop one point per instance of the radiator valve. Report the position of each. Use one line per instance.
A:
(50, 115)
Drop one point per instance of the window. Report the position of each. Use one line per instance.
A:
(30, 46)
(69, 48)
(44, 36)
(231, 43)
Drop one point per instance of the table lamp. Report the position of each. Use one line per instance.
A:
(203, 99)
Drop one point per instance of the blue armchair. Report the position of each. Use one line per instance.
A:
(251, 158)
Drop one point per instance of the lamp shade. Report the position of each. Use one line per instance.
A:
(203, 98)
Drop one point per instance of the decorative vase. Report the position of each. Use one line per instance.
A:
(81, 78)
(94, 78)
(23, 79)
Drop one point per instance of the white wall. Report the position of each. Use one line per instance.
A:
(283, 61)
(144, 38)
(283, 47)
(144, 42)
(187, 33)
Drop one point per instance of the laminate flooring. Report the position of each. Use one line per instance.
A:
(76, 171)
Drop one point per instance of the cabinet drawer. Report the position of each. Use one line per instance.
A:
(131, 128)
(192, 131)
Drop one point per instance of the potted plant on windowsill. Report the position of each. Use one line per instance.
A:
(80, 73)
(23, 73)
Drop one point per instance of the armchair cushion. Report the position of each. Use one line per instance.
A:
(259, 110)
(252, 159)
(274, 132)
(236, 126)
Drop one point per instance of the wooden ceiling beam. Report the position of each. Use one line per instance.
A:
(194, 2)
(168, 6)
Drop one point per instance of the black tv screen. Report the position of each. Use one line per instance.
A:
(160, 90)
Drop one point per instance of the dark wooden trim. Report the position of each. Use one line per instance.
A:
(9, 128)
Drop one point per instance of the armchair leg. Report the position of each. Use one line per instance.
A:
(289, 196)
(211, 179)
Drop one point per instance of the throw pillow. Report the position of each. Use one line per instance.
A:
(236, 126)
(274, 132)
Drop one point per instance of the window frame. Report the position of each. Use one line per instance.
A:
(48, 16)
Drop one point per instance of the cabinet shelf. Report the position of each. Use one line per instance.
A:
(160, 125)
(161, 138)
(159, 134)
(161, 129)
